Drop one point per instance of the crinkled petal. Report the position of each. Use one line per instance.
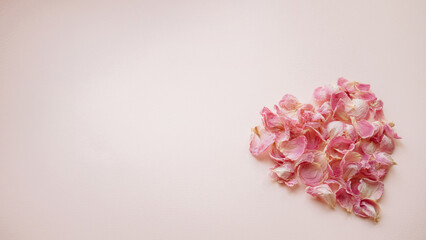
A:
(289, 102)
(294, 148)
(338, 146)
(271, 121)
(284, 173)
(261, 140)
(324, 193)
(346, 200)
(340, 97)
(367, 208)
(370, 189)
(390, 132)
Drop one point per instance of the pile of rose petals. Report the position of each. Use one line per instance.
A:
(339, 147)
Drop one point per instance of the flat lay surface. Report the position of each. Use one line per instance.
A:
(132, 119)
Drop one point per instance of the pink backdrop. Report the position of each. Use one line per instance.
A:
(131, 119)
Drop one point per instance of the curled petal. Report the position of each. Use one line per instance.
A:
(324, 193)
(311, 174)
(340, 97)
(294, 148)
(284, 171)
(276, 155)
(351, 157)
(370, 189)
(386, 144)
(261, 140)
(364, 128)
(340, 112)
(289, 102)
(313, 138)
(271, 121)
(383, 158)
(338, 146)
(368, 147)
(367, 208)
(325, 110)
(390, 132)
(351, 133)
(335, 168)
(346, 200)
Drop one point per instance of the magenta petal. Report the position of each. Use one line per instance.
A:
(261, 140)
(324, 193)
(367, 208)
(294, 148)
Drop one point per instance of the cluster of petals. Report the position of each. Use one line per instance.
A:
(339, 147)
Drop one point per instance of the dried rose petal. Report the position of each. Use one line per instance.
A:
(367, 208)
(324, 193)
(261, 140)
(294, 148)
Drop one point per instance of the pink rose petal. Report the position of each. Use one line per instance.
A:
(294, 148)
(324, 193)
(261, 141)
(367, 208)
(345, 199)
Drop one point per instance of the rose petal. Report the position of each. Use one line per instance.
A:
(363, 87)
(390, 132)
(338, 146)
(312, 168)
(386, 144)
(271, 121)
(324, 193)
(294, 148)
(321, 95)
(364, 128)
(370, 189)
(340, 97)
(261, 140)
(345, 199)
(335, 128)
(360, 109)
(367, 208)
(288, 102)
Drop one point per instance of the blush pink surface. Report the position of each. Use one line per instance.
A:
(131, 120)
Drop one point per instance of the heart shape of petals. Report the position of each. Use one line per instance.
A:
(339, 147)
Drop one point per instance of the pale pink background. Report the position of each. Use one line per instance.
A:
(131, 119)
